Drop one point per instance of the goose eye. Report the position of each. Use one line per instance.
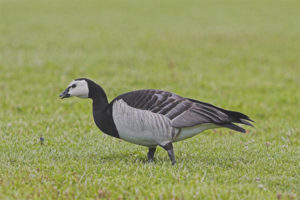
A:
(73, 86)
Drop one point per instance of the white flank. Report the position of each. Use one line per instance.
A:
(141, 126)
(188, 132)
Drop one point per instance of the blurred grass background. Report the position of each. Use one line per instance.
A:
(240, 55)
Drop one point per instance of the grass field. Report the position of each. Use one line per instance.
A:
(240, 55)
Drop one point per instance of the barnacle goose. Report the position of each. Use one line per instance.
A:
(153, 118)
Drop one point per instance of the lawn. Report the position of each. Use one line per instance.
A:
(239, 55)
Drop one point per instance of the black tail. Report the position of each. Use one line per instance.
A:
(237, 117)
(228, 119)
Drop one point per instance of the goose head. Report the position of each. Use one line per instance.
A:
(78, 88)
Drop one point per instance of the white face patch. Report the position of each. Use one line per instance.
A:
(79, 88)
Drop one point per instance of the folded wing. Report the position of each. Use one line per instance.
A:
(184, 112)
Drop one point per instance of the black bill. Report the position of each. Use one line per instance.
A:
(65, 94)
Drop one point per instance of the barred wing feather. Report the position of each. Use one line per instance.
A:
(184, 112)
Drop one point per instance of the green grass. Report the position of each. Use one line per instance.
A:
(240, 55)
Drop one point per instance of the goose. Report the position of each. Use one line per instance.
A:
(153, 117)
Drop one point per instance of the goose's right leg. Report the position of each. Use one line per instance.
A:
(169, 149)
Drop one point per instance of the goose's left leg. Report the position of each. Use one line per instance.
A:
(169, 149)
(151, 154)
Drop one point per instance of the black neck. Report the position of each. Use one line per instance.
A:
(102, 111)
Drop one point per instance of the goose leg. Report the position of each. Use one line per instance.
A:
(169, 149)
(151, 154)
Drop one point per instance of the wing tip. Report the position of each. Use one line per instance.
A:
(241, 118)
(234, 127)
(244, 121)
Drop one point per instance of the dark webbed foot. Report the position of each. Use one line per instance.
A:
(169, 149)
(151, 154)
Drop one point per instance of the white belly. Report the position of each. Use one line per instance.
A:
(192, 131)
(142, 127)
(141, 137)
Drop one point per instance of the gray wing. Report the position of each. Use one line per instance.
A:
(183, 112)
